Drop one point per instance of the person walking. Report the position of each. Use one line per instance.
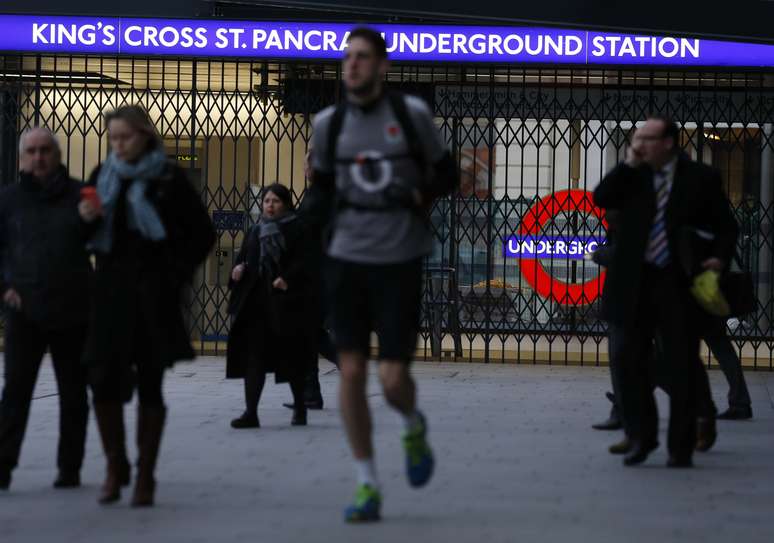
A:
(739, 402)
(45, 276)
(315, 218)
(659, 193)
(380, 159)
(272, 302)
(149, 232)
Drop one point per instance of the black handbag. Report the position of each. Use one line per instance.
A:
(739, 291)
(737, 286)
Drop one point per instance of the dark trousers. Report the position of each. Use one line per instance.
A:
(666, 313)
(659, 375)
(25, 345)
(720, 345)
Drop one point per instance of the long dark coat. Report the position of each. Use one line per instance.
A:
(42, 254)
(696, 201)
(137, 303)
(273, 328)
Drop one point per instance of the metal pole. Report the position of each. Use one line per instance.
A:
(766, 228)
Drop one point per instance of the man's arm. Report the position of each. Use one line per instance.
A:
(445, 176)
(616, 187)
(3, 241)
(721, 219)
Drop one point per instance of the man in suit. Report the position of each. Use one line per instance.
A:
(660, 193)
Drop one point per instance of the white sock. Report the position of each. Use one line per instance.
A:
(366, 472)
(411, 421)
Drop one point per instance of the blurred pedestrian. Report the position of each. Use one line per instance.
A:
(660, 192)
(381, 162)
(150, 231)
(315, 215)
(45, 279)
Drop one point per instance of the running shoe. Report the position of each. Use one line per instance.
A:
(419, 457)
(366, 507)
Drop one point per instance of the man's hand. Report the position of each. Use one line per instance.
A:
(88, 211)
(237, 273)
(633, 158)
(280, 284)
(12, 299)
(714, 264)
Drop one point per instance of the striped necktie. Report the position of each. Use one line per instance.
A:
(657, 252)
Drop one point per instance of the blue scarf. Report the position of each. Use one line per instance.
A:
(141, 215)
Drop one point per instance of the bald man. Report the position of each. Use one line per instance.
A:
(44, 283)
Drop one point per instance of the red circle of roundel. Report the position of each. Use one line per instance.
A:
(533, 271)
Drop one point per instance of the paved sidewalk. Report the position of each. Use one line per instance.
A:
(517, 463)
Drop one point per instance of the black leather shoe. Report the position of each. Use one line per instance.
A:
(639, 452)
(5, 479)
(736, 413)
(614, 421)
(246, 421)
(67, 479)
(310, 404)
(622, 447)
(299, 418)
(706, 434)
(675, 462)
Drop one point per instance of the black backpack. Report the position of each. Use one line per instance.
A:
(397, 102)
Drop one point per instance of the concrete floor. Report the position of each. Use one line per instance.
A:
(517, 463)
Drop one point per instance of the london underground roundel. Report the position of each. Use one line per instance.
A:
(534, 272)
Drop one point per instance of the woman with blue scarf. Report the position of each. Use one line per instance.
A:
(149, 233)
(273, 305)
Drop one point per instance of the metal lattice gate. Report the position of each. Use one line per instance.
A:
(531, 142)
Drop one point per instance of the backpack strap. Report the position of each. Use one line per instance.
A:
(334, 130)
(398, 104)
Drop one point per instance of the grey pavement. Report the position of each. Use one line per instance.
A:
(517, 463)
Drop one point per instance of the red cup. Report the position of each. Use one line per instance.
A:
(90, 194)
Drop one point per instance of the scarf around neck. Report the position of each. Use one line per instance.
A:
(272, 243)
(141, 215)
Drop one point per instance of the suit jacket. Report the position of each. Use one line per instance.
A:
(696, 201)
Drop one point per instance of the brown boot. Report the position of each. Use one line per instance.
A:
(150, 426)
(622, 447)
(110, 421)
(706, 434)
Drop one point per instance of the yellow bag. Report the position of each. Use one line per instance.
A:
(706, 291)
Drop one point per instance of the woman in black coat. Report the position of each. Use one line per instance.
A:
(274, 328)
(150, 230)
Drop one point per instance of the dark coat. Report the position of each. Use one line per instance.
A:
(273, 328)
(696, 201)
(137, 302)
(42, 253)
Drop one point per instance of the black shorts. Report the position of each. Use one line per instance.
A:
(381, 298)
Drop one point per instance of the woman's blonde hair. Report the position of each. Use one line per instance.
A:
(136, 117)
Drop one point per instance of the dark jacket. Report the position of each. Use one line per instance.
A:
(42, 254)
(137, 303)
(696, 201)
(273, 328)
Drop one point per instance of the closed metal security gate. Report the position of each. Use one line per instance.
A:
(507, 280)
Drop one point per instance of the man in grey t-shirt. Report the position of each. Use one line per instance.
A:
(380, 158)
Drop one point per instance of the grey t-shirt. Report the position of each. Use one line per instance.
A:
(385, 236)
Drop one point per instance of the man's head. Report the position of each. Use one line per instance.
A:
(365, 62)
(39, 153)
(657, 141)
